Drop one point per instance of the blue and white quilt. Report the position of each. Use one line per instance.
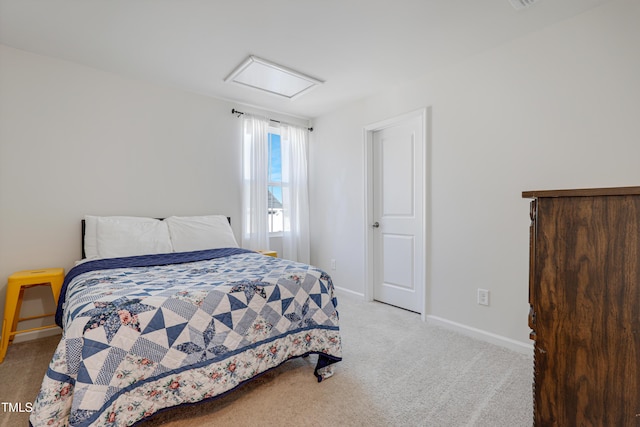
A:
(146, 333)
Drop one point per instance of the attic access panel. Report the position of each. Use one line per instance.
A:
(270, 77)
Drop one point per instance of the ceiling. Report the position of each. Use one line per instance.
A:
(356, 46)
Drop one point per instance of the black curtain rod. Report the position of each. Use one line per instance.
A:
(239, 113)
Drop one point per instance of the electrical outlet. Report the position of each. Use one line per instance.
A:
(483, 296)
(333, 264)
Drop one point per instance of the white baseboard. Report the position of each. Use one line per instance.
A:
(349, 291)
(518, 346)
(502, 341)
(34, 335)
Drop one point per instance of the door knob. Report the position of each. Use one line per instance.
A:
(376, 224)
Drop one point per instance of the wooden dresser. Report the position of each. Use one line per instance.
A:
(584, 292)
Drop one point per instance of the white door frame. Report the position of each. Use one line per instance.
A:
(425, 115)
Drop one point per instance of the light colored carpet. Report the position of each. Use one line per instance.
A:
(397, 371)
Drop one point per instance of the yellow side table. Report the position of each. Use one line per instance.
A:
(16, 285)
(269, 253)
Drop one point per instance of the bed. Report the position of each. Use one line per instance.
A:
(167, 313)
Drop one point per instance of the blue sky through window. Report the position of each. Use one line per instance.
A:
(275, 165)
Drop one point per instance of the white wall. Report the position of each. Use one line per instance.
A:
(76, 141)
(556, 109)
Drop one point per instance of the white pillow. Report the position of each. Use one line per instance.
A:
(195, 233)
(130, 236)
(90, 236)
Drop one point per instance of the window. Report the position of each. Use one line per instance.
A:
(275, 199)
(276, 217)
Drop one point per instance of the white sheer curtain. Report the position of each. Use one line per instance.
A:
(255, 146)
(295, 194)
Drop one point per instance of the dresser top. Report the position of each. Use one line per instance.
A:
(583, 192)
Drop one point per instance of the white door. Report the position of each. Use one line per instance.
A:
(398, 217)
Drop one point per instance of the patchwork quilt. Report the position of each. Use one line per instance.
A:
(141, 334)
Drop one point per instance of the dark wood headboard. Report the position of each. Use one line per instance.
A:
(84, 227)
